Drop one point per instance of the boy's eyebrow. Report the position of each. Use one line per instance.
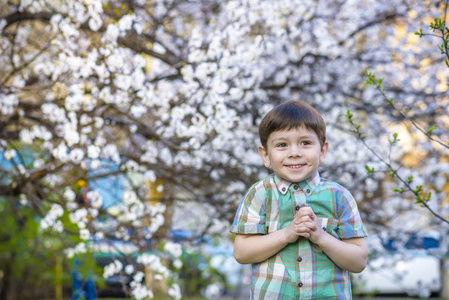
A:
(278, 139)
(306, 136)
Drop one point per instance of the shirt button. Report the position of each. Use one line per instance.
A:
(299, 259)
(300, 284)
(296, 187)
(283, 189)
(308, 191)
(297, 207)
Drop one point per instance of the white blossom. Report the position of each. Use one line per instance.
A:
(175, 291)
(129, 269)
(126, 22)
(9, 154)
(114, 93)
(174, 249)
(138, 277)
(84, 234)
(140, 292)
(94, 198)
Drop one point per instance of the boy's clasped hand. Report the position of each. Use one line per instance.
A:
(305, 224)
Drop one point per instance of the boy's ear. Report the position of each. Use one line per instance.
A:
(264, 154)
(323, 152)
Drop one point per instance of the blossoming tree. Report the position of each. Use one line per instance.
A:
(171, 92)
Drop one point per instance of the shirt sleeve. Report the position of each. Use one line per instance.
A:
(350, 223)
(250, 215)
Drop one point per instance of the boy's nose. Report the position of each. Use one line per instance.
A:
(295, 152)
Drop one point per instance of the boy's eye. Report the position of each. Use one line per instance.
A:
(305, 143)
(281, 145)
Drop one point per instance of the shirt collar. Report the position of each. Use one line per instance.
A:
(308, 185)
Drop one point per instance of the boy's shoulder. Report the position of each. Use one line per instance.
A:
(326, 184)
(266, 185)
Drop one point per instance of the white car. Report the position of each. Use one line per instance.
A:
(414, 270)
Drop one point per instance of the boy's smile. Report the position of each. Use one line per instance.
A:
(293, 154)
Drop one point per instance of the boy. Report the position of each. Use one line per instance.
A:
(302, 233)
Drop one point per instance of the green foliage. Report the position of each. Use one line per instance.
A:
(395, 139)
(431, 129)
(439, 30)
(400, 191)
(29, 257)
(357, 130)
(419, 33)
(421, 196)
(197, 273)
(369, 170)
(437, 24)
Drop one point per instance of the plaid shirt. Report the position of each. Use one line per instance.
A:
(301, 270)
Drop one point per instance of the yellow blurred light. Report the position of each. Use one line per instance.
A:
(412, 14)
(442, 77)
(81, 183)
(154, 192)
(415, 83)
(401, 30)
(425, 62)
(412, 39)
(442, 87)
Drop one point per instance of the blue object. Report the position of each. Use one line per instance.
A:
(76, 281)
(89, 289)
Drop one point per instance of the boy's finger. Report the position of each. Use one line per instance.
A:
(305, 235)
(305, 211)
(303, 219)
(306, 227)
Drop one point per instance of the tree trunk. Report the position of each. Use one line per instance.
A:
(7, 291)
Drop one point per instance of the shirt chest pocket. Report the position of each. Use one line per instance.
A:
(330, 225)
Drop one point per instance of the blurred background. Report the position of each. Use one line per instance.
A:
(128, 137)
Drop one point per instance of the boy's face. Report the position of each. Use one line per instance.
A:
(293, 154)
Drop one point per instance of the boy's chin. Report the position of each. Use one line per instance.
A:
(294, 178)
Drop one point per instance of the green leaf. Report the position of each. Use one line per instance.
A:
(400, 191)
(418, 190)
(348, 114)
(431, 129)
(369, 170)
(419, 33)
(391, 171)
(395, 138)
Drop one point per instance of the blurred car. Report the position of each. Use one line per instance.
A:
(411, 267)
(237, 276)
(107, 251)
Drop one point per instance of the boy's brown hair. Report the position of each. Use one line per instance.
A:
(291, 115)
